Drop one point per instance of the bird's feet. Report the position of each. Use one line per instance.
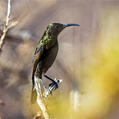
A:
(52, 86)
(41, 88)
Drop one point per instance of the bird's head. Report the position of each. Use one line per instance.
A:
(54, 29)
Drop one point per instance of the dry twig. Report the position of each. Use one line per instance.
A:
(7, 25)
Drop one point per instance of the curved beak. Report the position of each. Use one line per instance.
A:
(67, 25)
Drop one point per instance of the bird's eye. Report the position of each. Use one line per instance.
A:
(57, 27)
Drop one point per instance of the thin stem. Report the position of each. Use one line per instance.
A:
(6, 25)
(8, 13)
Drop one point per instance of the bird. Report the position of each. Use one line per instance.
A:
(45, 53)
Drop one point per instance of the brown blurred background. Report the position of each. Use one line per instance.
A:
(87, 60)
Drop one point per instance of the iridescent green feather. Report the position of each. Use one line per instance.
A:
(46, 38)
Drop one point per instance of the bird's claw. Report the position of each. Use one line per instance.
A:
(45, 92)
(52, 86)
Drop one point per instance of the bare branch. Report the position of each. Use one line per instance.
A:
(14, 23)
(40, 100)
(6, 25)
(8, 13)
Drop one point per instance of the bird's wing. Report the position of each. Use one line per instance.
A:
(37, 57)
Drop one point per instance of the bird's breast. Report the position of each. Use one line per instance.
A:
(49, 57)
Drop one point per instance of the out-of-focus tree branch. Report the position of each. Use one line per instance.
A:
(7, 25)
